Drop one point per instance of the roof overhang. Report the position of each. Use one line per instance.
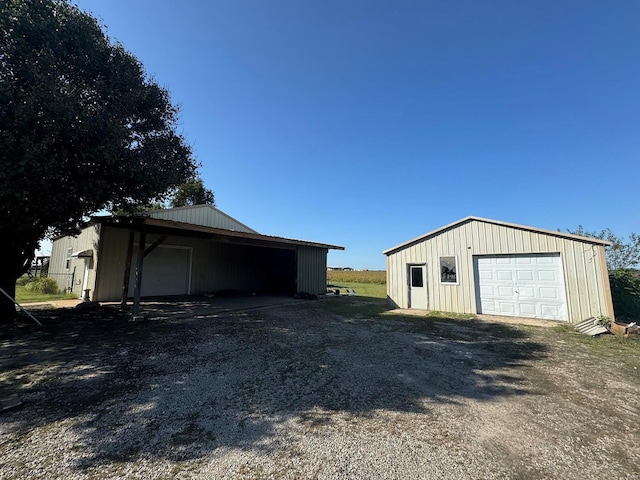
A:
(554, 233)
(88, 253)
(170, 227)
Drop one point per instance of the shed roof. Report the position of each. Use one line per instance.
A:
(170, 227)
(440, 230)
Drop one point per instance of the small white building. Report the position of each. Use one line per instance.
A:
(477, 265)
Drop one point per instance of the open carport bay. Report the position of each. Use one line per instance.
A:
(336, 388)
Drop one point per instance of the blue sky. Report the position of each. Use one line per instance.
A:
(367, 123)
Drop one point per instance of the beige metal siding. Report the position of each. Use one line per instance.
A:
(205, 215)
(72, 278)
(215, 266)
(312, 270)
(585, 280)
(113, 261)
(111, 264)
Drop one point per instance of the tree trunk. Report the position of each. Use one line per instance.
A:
(7, 307)
(13, 263)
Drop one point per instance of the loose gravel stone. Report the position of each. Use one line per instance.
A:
(312, 391)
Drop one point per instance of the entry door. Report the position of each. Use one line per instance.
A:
(418, 286)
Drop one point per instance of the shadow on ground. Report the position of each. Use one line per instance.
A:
(189, 380)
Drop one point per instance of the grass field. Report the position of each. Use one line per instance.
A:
(357, 276)
(366, 283)
(23, 295)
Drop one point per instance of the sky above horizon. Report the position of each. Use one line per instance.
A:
(368, 123)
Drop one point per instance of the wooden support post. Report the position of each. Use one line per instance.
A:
(136, 291)
(155, 244)
(127, 272)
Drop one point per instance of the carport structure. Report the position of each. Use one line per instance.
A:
(148, 256)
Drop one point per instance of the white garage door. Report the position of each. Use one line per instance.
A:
(166, 271)
(521, 286)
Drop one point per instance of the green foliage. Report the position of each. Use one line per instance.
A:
(42, 285)
(82, 129)
(603, 320)
(192, 192)
(358, 276)
(23, 295)
(23, 280)
(140, 209)
(621, 254)
(625, 292)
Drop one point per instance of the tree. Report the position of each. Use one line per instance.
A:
(621, 254)
(625, 292)
(82, 129)
(192, 192)
(623, 257)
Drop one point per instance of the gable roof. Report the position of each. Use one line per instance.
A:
(170, 227)
(553, 233)
(205, 215)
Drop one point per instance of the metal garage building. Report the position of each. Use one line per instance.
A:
(477, 265)
(186, 251)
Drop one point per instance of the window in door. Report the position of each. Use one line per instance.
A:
(417, 279)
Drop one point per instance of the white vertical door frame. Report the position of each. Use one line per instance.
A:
(85, 280)
(420, 291)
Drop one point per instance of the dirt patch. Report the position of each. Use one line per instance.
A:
(325, 389)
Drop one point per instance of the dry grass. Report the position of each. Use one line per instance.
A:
(378, 277)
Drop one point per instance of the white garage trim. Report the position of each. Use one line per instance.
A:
(523, 285)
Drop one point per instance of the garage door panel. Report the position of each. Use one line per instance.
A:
(166, 271)
(521, 285)
(505, 275)
(489, 306)
(545, 260)
(550, 311)
(505, 292)
(486, 275)
(507, 308)
(549, 293)
(526, 292)
(524, 275)
(547, 276)
(487, 290)
(528, 309)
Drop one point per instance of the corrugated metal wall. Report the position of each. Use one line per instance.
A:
(586, 281)
(202, 215)
(215, 266)
(73, 277)
(312, 270)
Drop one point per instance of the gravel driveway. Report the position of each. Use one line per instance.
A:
(325, 389)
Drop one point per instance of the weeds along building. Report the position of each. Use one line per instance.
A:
(185, 251)
(478, 265)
